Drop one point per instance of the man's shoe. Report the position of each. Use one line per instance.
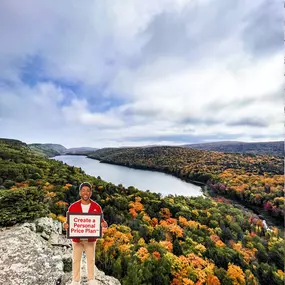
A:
(75, 283)
(92, 282)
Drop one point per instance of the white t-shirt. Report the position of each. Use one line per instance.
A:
(85, 208)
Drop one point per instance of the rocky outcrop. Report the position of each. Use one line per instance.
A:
(36, 254)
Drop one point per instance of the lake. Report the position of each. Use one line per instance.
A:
(141, 179)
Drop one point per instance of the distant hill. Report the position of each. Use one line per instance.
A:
(259, 148)
(48, 149)
(80, 150)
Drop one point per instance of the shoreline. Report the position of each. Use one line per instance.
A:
(205, 191)
(262, 214)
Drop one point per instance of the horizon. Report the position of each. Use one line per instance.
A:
(141, 73)
(154, 145)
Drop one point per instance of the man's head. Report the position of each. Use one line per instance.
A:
(85, 191)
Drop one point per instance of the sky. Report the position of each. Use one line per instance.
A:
(130, 73)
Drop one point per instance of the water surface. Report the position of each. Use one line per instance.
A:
(142, 179)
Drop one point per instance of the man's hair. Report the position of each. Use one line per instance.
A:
(85, 184)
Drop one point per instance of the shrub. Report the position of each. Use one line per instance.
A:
(21, 205)
(8, 184)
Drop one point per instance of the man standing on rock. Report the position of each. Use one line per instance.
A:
(84, 205)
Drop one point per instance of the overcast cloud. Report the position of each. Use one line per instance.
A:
(113, 73)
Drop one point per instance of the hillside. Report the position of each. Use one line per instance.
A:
(151, 240)
(254, 180)
(15, 144)
(258, 148)
(48, 149)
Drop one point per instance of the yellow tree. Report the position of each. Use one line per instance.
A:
(212, 280)
(136, 207)
(236, 274)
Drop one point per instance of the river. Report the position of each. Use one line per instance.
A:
(142, 179)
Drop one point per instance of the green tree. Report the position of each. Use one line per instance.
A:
(177, 250)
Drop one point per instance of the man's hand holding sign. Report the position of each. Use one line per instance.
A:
(85, 223)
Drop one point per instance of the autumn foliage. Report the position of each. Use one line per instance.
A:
(252, 179)
(163, 240)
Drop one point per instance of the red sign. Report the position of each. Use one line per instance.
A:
(84, 225)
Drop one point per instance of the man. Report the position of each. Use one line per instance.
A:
(84, 205)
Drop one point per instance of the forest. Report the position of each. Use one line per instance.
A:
(251, 179)
(275, 148)
(153, 239)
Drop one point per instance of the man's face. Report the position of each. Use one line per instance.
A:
(85, 193)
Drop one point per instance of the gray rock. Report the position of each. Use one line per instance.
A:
(54, 239)
(26, 258)
(58, 262)
(45, 235)
(30, 226)
(59, 240)
(59, 227)
(46, 225)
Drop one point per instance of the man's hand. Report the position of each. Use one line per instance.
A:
(65, 226)
(104, 226)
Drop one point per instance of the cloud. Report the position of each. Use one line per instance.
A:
(196, 30)
(262, 34)
(248, 122)
(140, 72)
(204, 93)
(77, 113)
